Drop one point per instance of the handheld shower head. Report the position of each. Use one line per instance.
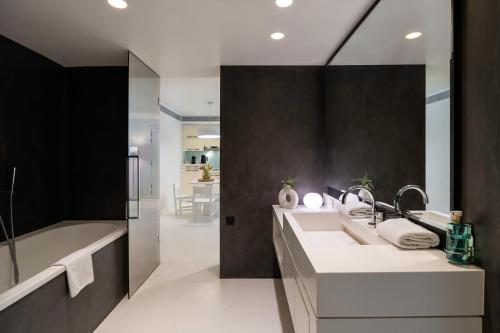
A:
(13, 180)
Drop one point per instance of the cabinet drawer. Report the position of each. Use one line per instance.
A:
(300, 314)
(296, 302)
(288, 277)
(279, 243)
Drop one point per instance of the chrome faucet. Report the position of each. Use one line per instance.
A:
(372, 197)
(403, 190)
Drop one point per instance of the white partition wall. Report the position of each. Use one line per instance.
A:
(171, 160)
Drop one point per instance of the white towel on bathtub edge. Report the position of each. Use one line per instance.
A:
(79, 270)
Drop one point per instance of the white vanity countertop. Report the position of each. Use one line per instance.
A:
(349, 271)
(378, 256)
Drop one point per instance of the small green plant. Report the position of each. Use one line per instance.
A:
(365, 181)
(289, 183)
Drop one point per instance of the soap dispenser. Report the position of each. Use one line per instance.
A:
(459, 240)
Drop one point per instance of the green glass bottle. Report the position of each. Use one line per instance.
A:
(459, 243)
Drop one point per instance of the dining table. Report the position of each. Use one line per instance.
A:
(197, 182)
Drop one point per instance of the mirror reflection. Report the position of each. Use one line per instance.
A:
(388, 104)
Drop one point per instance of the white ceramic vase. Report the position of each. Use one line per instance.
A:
(288, 198)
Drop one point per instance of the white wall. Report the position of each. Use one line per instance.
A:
(170, 161)
(437, 155)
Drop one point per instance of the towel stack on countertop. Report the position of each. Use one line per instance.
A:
(79, 270)
(407, 235)
(356, 209)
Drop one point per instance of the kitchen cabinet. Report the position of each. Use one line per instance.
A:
(193, 144)
(199, 144)
(190, 131)
(211, 142)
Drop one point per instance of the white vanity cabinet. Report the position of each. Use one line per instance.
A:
(343, 294)
(292, 284)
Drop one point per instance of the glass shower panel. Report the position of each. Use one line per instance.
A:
(144, 199)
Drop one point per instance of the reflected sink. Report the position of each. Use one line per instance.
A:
(435, 219)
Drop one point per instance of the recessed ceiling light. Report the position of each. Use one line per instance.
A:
(278, 35)
(120, 4)
(284, 3)
(413, 35)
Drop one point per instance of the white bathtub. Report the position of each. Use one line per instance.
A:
(37, 251)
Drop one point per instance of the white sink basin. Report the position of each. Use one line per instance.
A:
(325, 230)
(318, 222)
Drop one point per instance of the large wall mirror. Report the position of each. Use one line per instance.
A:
(388, 103)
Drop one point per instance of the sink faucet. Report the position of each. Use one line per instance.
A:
(403, 190)
(372, 197)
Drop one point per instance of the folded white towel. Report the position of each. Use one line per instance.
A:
(350, 197)
(356, 209)
(79, 270)
(407, 235)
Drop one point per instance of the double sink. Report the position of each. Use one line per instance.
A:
(347, 271)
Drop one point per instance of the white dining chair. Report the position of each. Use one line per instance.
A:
(204, 203)
(217, 199)
(182, 202)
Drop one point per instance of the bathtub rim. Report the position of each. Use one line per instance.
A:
(26, 287)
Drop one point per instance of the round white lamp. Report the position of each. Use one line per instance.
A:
(313, 200)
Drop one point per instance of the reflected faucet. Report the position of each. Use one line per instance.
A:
(403, 190)
(372, 197)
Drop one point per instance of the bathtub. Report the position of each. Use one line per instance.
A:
(37, 251)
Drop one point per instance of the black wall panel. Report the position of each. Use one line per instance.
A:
(66, 131)
(97, 141)
(479, 73)
(375, 122)
(32, 91)
(270, 122)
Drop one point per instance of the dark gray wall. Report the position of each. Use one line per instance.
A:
(97, 143)
(479, 61)
(32, 92)
(270, 121)
(65, 129)
(375, 122)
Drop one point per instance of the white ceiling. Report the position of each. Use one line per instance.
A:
(181, 38)
(189, 96)
(381, 38)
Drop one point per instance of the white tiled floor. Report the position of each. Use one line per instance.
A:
(185, 295)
